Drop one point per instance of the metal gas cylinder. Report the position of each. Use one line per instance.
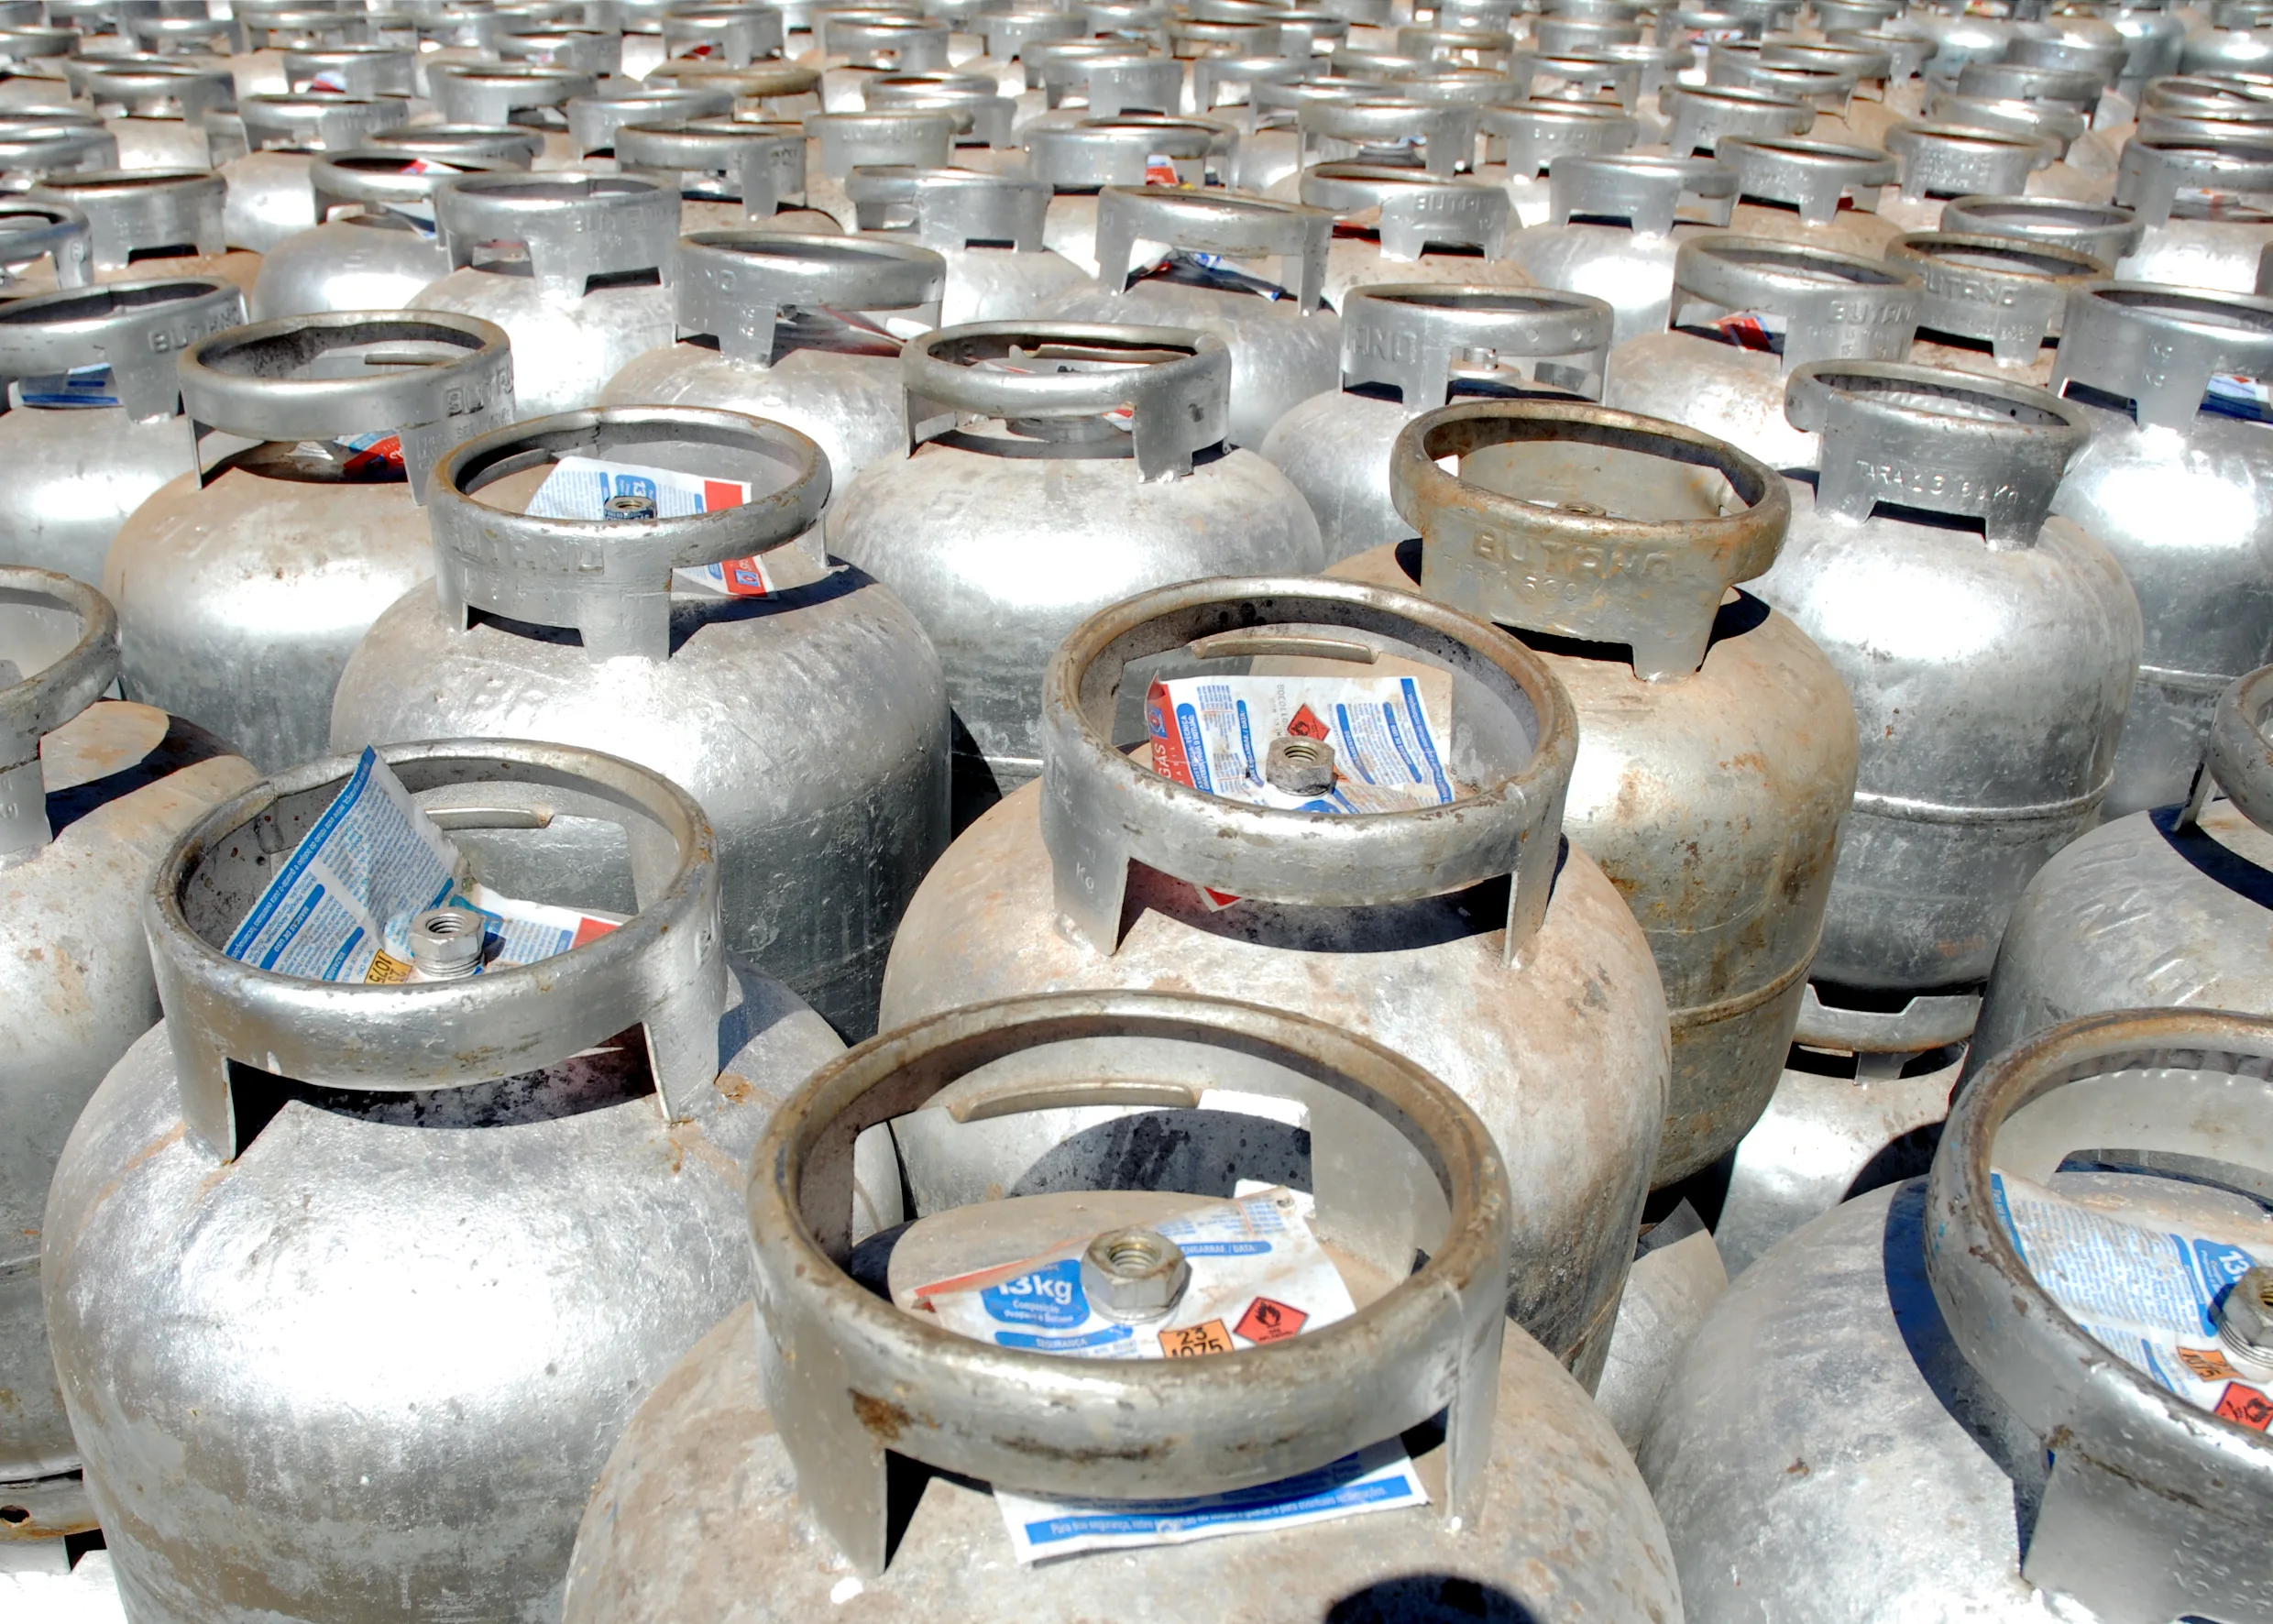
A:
(594, 119)
(984, 118)
(1810, 192)
(94, 420)
(375, 246)
(1058, 468)
(1080, 159)
(43, 245)
(1990, 667)
(1285, 345)
(852, 46)
(735, 35)
(1992, 304)
(1615, 223)
(2102, 230)
(1906, 1340)
(1747, 311)
(1535, 999)
(500, 146)
(92, 793)
(816, 861)
(243, 587)
(728, 173)
(2207, 208)
(146, 223)
(1381, 128)
(793, 328)
(1523, 139)
(1940, 161)
(987, 228)
(1716, 751)
(521, 93)
(269, 196)
(155, 109)
(1408, 226)
(589, 288)
(1698, 115)
(838, 142)
(33, 148)
(1271, 137)
(356, 1241)
(1408, 348)
(2174, 482)
(750, 1482)
(762, 90)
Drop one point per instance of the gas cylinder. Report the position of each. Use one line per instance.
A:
(352, 1260)
(794, 328)
(1717, 750)
(269, 196)
(501, 145)
(1522, 140)
(1940, 161)
(1615, 223)
(95, 791)
(1745, 312)
(588, 289)
(95, 424)
(2102, 230)
(714, 1505)
(1698, 115)
(34, 148)
(375, 246)
(838, 142)
(1407, 347)
(155, 109)
(1906, 1339)
(816, 861)
(762, 90)
(1285, 345)
(1536, 1001)
(2207, 208)
(983, 117)
(1381, 128)
(243, 587)
(519, 94)
(1819, 193)
(852, 46)
(1059, 466)
(2173, 483)
(1271, 138)
(1993, 304)
(735, 35)
(594, 119)
(987, 228)
(1989, 666)
(1409, 225)
(146, 223)
(1080, 159)
(43, 245)
(728, 173)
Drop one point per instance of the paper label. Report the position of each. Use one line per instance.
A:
(1753, 329)
(1257, 1276)
(1207, 270)
(2231, 394)
(331, 80)
(2148, 1295)
(81, 387)
(581, 486)
(339, 908)
(1161, 170)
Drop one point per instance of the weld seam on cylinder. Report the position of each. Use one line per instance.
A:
(1903, 807)
(1728, 1008)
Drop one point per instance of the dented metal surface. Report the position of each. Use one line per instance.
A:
(383, 1327)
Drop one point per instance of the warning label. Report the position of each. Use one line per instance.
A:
(1188, 1341)
(1267, 1321)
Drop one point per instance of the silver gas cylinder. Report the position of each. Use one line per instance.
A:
(1890, 1415)
(155, 109)
(2105, 230)
(2174, 483)
(589, 289)
(804, 330)
(852, 46)
(43, 246)
(987, 228)
(519, 94)
(1698, 115)
(1716, 751)
(735, 35)
(594, 119)
(243, 587)
(1270, 135)
(1080, 159)
(1059, 466)
(375, 246)
(984, 118)
(1385, 128)
(393, 1263)
(1536, 1000)
(762, 90)
(1407, 347)
(92, 793)
(357, 70)
(1989, 666)
(146, 223)
(94, 422)
(754, 1482)
(269, 196)
(1523, 139)
(1810, 192)
(728, 173)
(2239, 47)
(1993, 304)
(500, 146)
(1285, 345)
(1615, 223)
(816, 861)
(1940, 161)
(1746, 313)
(31, 149)
(838, 142)
(2207, 207)
(559, 42)
(1408, 226)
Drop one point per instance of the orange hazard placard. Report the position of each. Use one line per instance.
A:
(1266, 1321)
(1188, 1341)
(2248, 1406)
(2207, 1364)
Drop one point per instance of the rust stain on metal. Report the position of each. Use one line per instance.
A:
(885, 1419)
